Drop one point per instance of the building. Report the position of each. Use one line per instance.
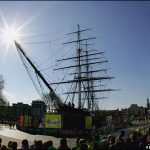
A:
(137, 112)
(20, 109)
(38, 109)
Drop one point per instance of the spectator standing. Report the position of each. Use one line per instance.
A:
(0, 142)
(96, 144)
(25, 145)
(51, 147)
(63, 145)
(38, 145)
(14, 145)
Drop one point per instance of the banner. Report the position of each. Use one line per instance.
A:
(53, 121)
(88, 122)
(27, 121)
(21, 122)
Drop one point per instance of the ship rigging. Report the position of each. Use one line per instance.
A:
(87, 73)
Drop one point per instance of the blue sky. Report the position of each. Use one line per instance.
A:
(122, 31)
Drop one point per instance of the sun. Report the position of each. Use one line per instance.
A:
(10, 34)
(12, 31)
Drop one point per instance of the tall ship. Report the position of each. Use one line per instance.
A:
(83, 86)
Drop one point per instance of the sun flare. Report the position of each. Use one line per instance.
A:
(10, 34)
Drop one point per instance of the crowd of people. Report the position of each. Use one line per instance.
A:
(8, 124)
(136, 141)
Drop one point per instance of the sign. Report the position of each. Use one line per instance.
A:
(53, 121)
(88, 122)
(27, 121)
(21, 122)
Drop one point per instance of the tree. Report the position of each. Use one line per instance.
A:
(3, 101)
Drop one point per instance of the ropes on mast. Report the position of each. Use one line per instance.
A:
(25, 65)
(83, 77)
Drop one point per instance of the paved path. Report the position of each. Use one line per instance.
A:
(15, 135)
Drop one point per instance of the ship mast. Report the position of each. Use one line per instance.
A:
(84, 72)
(52, 93)
(79, 65)
(79, 68)
(84, 79)
(87, 69)
(33, 66)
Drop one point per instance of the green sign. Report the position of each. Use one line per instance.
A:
(88, 122)
(27, 121)
(53, 121)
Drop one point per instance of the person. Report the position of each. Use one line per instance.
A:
(38, 145)
(135, 141)
(0, 142)
(143, 143)
(109, 138)
(63, 145)
(3, 147)
(25, 145)
(73, 104)
(33, 145)
(120, 144)
(123, 135)
(14, 145)
(46, 145)
(129, 144)
(96, 144)
(139, 134)
(83, 144)
(104, 143)
(69, 104)
(112, 144)
(51, 147)
(9, 144)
